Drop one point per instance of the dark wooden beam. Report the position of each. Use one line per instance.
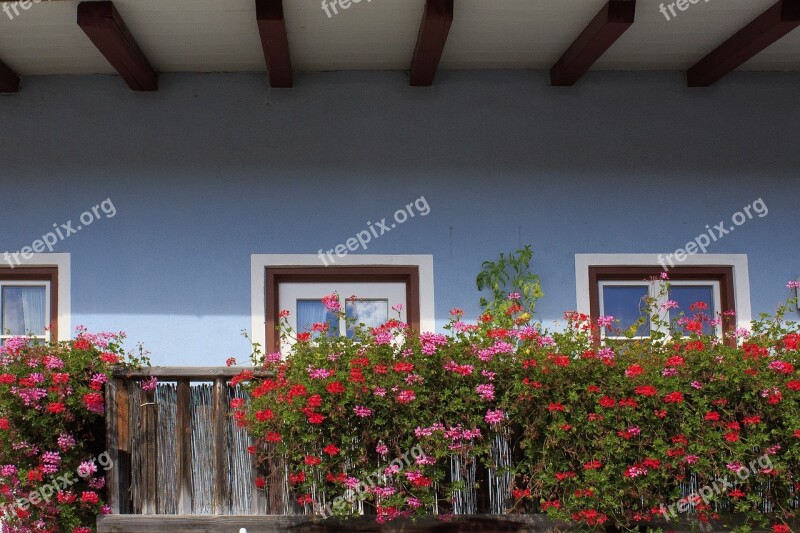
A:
(101, 22)
(9, 80)
(605, 28)
(433, 30)
(763, 31)
(275, 42)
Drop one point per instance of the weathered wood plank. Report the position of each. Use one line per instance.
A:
(192, 373)
(150, 453)
(221, 485)
(184, 441)
(112, 446)
(304, 524)
(123, 417)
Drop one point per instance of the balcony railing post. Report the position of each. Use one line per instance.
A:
(112, 445)
(221, 484)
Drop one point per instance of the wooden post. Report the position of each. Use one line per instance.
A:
(150, 455)
(123, 445)
(112, 446)
(221, 469)
(184, 440)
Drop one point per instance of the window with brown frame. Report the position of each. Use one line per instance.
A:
(29, 303)
(620, 291)
(379, 290)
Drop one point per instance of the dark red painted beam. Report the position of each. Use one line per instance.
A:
(9, 80)
(101, 22)
(433, 31)
(275, 42)
(767, 28)
(605, 28)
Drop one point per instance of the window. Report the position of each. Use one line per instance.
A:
(29, 303)
(618, 284)
(298, 283)
(626, 301)
(373, 306)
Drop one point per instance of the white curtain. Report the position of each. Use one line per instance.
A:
(24, 310)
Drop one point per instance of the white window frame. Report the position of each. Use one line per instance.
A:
(61, 261)
(260, 262)
(654, 291)
(25, 283)
(738, 262)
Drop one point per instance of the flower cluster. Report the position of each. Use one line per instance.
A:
(51, 405)
(602, 432)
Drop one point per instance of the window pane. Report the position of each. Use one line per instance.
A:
(626, 303)
(310, 312)
(23, 310)
(685, 296)
(371, 313)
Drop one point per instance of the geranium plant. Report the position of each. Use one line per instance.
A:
(52, 457)
(601, 433)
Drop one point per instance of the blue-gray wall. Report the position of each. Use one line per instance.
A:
(213, 168)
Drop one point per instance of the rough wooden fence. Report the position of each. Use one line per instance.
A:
(175, 450)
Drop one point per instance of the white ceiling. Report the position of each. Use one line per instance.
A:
(222, 36)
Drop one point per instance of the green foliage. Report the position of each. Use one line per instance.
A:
(603, 433)
(51, 420)
(509, 274)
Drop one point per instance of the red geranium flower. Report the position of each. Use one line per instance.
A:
(273, 436)
(299, 477)
(303, 337)
(792, 341)
(265, 415)
(261, 482)
(81, 344)
(674, 397)
(312, 460)
(335, 388)
(4, 423)
(793, 385)
(634, 371)
(555, 406)
(90, 497)
(403, 367)
(519, 493)
(646, 390)
(751, 420)
(315, 418)
(330, 449)
(607, 402)
(56, 408)
(594, 464)
(732, 436)
(712, 416)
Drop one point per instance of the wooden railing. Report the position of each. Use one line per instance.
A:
(174, 450)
